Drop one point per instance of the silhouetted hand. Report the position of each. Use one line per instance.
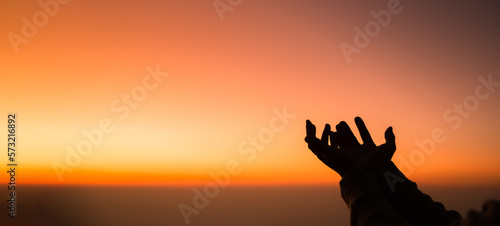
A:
(372, 157)
(338, 159)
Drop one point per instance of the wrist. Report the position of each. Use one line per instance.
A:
(351, 168)
(356, 182)
(390, 178)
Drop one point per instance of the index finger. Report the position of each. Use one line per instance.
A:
(363, 131)
(347, 138)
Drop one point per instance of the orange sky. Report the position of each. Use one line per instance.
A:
(226, 77)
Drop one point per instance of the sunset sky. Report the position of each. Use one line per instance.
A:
(227, 78)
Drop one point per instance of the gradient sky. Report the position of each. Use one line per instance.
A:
(226, 77)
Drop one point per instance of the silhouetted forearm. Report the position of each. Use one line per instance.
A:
(418, 208)
(367, 204)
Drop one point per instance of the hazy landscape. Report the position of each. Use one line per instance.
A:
(251, 205)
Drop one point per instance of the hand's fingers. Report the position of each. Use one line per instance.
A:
(346, 135)
(310, 129)
(333, 140)
(341, 142)
(389, 136)
(363, 131)
(317, 146)
(326, 132)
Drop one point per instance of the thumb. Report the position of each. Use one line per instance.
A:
(385, 151)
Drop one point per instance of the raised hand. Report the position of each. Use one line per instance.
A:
(338, 159)
(372, 157)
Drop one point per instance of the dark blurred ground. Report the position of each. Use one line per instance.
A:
(281, 205)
